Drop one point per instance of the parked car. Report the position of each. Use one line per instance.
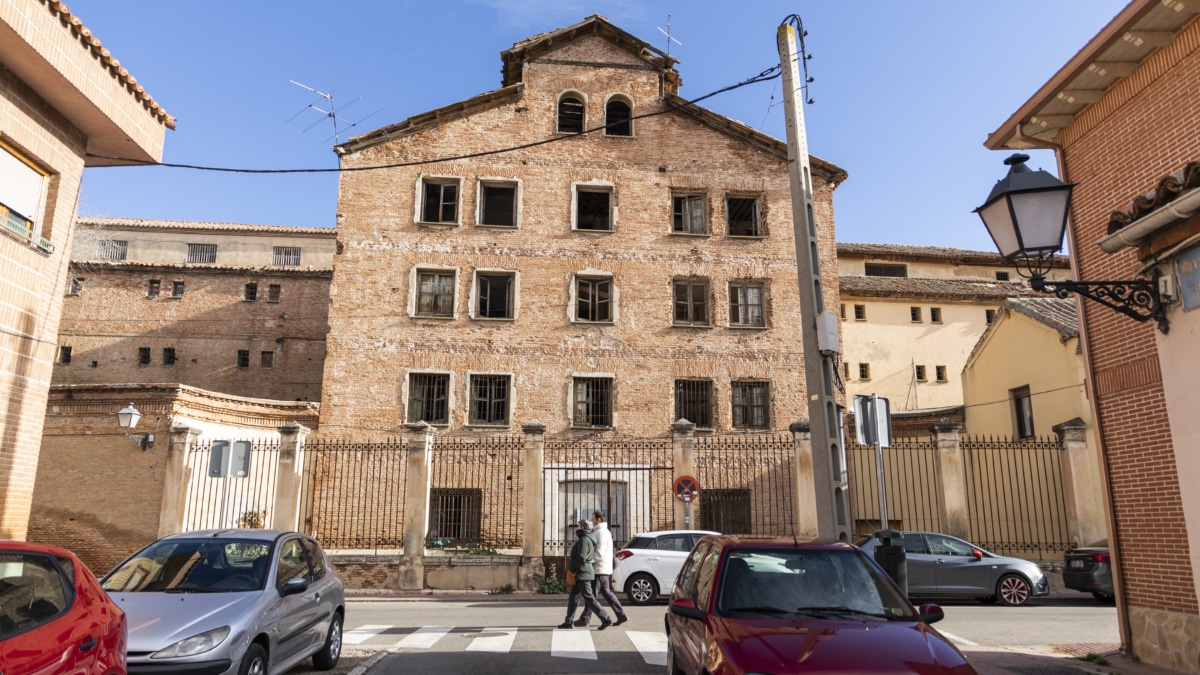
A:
(646, 567)
(778, 605)
(229, 601)
(1089, 569)
(941, 566)
(54, 618)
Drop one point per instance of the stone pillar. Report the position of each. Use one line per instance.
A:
(807, 523)
(1081, 480)
(175, 480)
(416, 505)
(533, 569)
(290, 477)
(951, 480)
(683, 439)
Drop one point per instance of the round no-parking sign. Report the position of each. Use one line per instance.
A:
(687, 489)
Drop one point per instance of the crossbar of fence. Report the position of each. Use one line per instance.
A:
(748, 484)
(353, 494)
(224, 501)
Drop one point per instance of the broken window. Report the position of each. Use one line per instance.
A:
(243, 358)
(593, 210)
(489, 399)
(427, 401)
(273, 292)
(143, 356)
(751, 405)
(440, 201)
(498, 205)
(285, 256)
(594, 299)
(495, 296)
(202, 253)
(570, 115)
(617, 118)
(168, 356)
(694, 402)
(689, 214)
(742, 214)
(250, 294)
(746, 304)
(691, 302)
(435, 293)
(593, 402)
(76, 286)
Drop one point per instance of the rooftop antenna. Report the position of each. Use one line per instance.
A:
(670, 38)
(331, 113)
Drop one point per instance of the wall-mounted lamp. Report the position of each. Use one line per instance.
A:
(127, 418)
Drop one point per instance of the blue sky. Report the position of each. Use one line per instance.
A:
(906, 91)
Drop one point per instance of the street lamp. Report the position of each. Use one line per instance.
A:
(1026, 215)
(127, 418)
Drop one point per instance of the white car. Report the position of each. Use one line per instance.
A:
(647, 567)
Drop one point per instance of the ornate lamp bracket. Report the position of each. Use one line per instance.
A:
(1137, 299)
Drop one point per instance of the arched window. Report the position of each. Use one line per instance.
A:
(570, 114)
(616, 118)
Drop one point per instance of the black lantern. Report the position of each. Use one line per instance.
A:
(1026, 214)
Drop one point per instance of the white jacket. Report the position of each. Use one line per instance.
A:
(603, 563)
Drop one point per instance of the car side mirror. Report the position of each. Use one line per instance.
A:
(931, 613)
(977, 553)
(686, 607)
(293, 586)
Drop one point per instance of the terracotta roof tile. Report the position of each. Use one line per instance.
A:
(1167, 190)
(952, 289)
(144, 223)
(1057, 313)
(271, 270)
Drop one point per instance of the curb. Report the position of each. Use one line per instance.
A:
(363, 667)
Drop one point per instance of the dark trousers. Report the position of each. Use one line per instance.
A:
(602, 588)
(590, 603)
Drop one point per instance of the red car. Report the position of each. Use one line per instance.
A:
(778, 605)
(54, 617)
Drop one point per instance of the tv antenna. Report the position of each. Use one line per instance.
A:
(670, 38)
(332, 113)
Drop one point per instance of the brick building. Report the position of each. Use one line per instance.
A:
(65, 103)
(1124, 120)
(231, 308)
(633, 271)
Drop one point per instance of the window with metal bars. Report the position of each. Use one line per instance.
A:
(593, 402)
(108, 249)
(864, 371)
(920, 373)
(885, 270)
(267, 359)
(746, 304)
(751, 405)
(440, 201)
(494, 295)
(489, 399)
(593, 210)
(726, 510)
(691, 302)
(455, 514)
(76, 286)
(742, 215)
(168, 356)
(250, 293)
(243, 358)
(935, 314)
(153, 288)
(177, 288)
(285, 256)
(689, 214)
(914, 313)
(498, 204)
(435, 293)
(618, 118)
(941, 373)
(143, 356)
(594, 299)
(860, 312)
(570, 115)
(1001, 276)
(64, 354)
(202, 253)
(694, 402)
(427, 398)
(274, 291)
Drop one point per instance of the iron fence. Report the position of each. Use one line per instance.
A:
(353, 494)
(910, 478)
(629, 479)
(476, 493)
(747, 484)
(225, 501)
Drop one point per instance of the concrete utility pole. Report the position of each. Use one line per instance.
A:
(819, 336)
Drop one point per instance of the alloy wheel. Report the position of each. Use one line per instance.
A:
(1013, 590)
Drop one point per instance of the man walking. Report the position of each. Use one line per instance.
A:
(602, 585)
(580, 562)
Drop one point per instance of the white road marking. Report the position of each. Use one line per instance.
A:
(425, 637)
(958, 640)
(572, 644)
(362, 634)
(494, 643)
(653, 646)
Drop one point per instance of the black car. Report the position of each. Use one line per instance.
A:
(1089, 569)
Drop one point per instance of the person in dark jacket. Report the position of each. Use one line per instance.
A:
(583, 553)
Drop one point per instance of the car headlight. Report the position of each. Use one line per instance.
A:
(197, 644)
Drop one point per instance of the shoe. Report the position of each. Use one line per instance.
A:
(605, 623)
(621, 619)
(580, 623)
(566, 624)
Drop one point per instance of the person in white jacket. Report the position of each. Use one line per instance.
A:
(602, 584)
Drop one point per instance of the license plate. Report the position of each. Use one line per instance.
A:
(1076, 563)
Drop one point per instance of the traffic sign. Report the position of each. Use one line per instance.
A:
(687, 489)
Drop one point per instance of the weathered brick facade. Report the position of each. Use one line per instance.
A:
(378, 339)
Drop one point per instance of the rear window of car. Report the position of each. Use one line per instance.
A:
(641, 542)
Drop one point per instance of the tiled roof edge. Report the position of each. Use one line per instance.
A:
(270, 270)
(142, 223)
(1168, 188)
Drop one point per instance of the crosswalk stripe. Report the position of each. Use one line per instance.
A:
(424, 637)
(572, 644)
(362, 634)
(653, 646)
(494, 643)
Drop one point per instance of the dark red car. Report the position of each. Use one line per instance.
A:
(54, 617)
(777, 605)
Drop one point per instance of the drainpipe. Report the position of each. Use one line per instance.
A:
(1118, 566)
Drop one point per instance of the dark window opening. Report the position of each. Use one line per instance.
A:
(570, 115)
(592, 212)
(273, 292)
(743, 216)
(1001, 276)
(499, 205)
(427, 398)
(689, 214)
(153, 288)
(941, 373)
(143, 356)
(251, 293)
(914, 313)
(989, 315)
(726, 510)
(177, 289)
(594, 301)
(860, 312)
(920, 372)
(76, 286)
(593, 402)
(64, 355)
(694, 402)
(168, 356)
(886, 270)
(243, 358)
(495, 296)
(617, 120)
(1023, 411)
(864, 371)
(455, 515)
(691, 302)
(746, 304)
(489, 399)
(751, 405)
(935, 314)
(267, 360)
(435, 294)
(441, 202)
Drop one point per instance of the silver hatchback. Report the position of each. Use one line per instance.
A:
(254, 602)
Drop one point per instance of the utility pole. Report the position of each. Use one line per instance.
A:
(819, 335)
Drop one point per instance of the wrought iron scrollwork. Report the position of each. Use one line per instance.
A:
(1137, 299)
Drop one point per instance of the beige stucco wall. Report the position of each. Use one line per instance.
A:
(922, 268)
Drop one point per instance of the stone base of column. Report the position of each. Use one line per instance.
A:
(530, 574)
(411, 573)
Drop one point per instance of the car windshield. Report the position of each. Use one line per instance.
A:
(821, 583)
(193, 566)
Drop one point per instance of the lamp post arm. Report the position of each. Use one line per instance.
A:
(1137, 298)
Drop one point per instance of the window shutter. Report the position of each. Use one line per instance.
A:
(20, 186)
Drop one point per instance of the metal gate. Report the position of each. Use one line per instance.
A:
(747, 484)
(629, 480)
(219, 502)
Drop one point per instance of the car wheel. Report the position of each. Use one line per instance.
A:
(1104, 597)
(987, 599)
(328, 657)
(641, 589)
(255, 661)
(1013, 590)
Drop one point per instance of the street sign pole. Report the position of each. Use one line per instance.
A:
(874, 421)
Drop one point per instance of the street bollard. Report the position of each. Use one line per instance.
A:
(892, 558)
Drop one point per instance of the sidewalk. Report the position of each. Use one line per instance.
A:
(1057, 659)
